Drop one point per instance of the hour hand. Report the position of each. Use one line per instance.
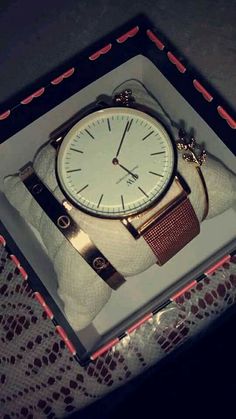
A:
(135, 176)
(116, 162)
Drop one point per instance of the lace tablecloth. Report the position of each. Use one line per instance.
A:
(40, 379)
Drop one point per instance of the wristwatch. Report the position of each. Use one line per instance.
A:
(119, 162)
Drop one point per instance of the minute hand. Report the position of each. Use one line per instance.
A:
(122, 139)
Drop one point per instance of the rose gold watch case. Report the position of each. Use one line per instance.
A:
(58, 136)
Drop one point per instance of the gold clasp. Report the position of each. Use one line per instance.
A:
(195, 152)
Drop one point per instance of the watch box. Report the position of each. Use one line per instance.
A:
(135, 51)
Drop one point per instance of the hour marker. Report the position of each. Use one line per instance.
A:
(100, 200)
(143, 191)
(89, 133)
(129, 125)
(73, 170)
(148, 135)
(159, 152)
(82, 189)
(108, 123)
(78, 151)
(122, 201)
(156, 174)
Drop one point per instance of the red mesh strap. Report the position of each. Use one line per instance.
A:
(171, 233)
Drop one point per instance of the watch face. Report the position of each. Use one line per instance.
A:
(116, 162)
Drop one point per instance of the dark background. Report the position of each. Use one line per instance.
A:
(35, 37)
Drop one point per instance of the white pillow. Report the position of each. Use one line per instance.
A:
(82, 291)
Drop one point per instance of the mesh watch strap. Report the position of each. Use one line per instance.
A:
(173, 231)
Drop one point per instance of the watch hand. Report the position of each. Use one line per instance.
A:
(115, 161)
(122, 139)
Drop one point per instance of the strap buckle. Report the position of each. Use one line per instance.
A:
(151, 216)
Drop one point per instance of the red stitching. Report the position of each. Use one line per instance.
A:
(63, 76)
(42, 302)
(139, 323)
(71, 347)
(61, 332)
(33, 96)
(3, 241)
(155, 39)
(49, 312)
(183, 290)
(5, 115)
(15, 261)
(199, 87)
(39, 297)
(217, 265)
(23, 273)
(64, 337)
(127, 35)
(100, 52)
(18, 265)
(104, 349)
(176, 62)
(230, 121)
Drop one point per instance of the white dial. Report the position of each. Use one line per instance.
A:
(115, 162)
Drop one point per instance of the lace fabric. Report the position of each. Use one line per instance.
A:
(40, 379)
